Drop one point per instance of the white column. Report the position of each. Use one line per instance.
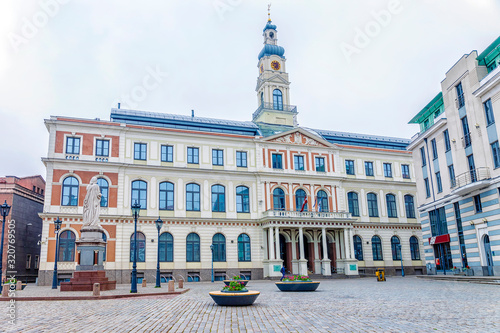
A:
(342, 244)
(316, 242)
(266, 245)
(337, 244)
(271, 243)
(301, 243)
(323, 236)
(351, 244)
(346, 244)
(294, 245)
(277, 243)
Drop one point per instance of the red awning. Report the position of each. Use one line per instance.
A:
(439, 239)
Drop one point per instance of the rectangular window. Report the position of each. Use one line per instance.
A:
(241, 159)
(477, 204)
(72, 145)
(167, 153)
(422, 156)
(102, 147)
(140, 151)
(298, 162)
(277, 161)
(28, 261)
(193, 155)
(460, 96)
(488, 110)
(465, 128)
(405, 171)
(447, 144)
(320, 164)
(349, 167)
(369, 168)
(387, 170)
(427, 188)
(434, 149)
(451, 171)
(495, 150)
(217, 157)
(438, 182)
(437, 218)
(472, 168)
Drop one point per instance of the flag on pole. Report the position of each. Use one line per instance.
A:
(319, 206)
(315, 207)
(303, 205)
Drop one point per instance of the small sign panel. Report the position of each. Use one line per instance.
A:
(353, 267)
(277, 268)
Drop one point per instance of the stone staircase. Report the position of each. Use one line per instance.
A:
(495, 280)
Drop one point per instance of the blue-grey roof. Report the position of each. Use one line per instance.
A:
(364, 140)
(269, 25)
(202, 124)
(270, 49)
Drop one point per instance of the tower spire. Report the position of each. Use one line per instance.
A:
(269, 12)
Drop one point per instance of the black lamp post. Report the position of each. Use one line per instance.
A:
(4, 210)
(57, 225)
(401, 256)
(136, 208)
(159, 224)
(212, 249)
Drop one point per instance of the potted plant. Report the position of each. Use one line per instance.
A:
(468, 271)
(297, 283)
(236, 278)
(234, 294)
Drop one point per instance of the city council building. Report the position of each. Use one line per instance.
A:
(264, 193)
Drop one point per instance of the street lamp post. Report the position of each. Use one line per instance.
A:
(57, 225)
(212, 249)
(136, 207)
(159, 224)
(401, 256)
(4, 210)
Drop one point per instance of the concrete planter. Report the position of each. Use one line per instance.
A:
(297, 285)
(234, 298)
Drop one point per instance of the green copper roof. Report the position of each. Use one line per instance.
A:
(491, 52)
(429, 109)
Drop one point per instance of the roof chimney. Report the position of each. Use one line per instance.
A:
(192, 113)
(118, 105)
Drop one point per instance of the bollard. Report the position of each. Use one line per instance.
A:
(97, 290)
(144, 284)
(19, 285)
(5, 290)
(181, 284)
(171, 286)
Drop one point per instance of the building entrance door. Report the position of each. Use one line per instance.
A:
(442, 252)
(489, 257)
(285, 254)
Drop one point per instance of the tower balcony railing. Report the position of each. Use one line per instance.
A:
(307, 215)
(471, 176)
(274, 107)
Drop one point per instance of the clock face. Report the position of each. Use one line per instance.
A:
(261, 69)
(275, 65)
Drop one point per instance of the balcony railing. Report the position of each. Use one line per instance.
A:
(470, 177)
(309, 215)
(271, 107)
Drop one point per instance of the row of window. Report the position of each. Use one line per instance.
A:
(298, 162)
(390, 199)
(166, 247)
(349, 169)
(73, 146)
(320, 203)
(377, 248)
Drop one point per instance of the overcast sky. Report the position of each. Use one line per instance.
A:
(356, 66)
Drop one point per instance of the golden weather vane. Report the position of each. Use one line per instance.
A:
(269, 12)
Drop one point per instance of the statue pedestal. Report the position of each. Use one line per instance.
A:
(90, 268)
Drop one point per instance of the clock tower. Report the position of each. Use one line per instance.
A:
(273, 87)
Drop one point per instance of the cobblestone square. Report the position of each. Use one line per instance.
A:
(351, 305)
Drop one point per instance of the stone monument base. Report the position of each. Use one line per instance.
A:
(84, 281)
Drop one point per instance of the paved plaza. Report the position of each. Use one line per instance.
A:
(352, 305)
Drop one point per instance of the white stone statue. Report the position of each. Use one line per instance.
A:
(92, 204)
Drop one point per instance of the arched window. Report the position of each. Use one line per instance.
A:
(358, 247)
(322, 198)
(242, 200)
(166, 196)
(391, 205)
(414, 248)
(278, 199)
(166, 247)
(141, 247)
(262, 98)
(352, 199)
(244, 253)
(193, 248)
(277, 99)
(377, 248)
(104, 187)
(396, 248)
(410, 207)
(104, 238)
(67, 246)
(70, 191)
(218, 198)
(372, 204)
(140, 193)
(219, 246)
(193, 197)
(300, 198)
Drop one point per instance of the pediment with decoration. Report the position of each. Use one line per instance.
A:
(299, 137)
